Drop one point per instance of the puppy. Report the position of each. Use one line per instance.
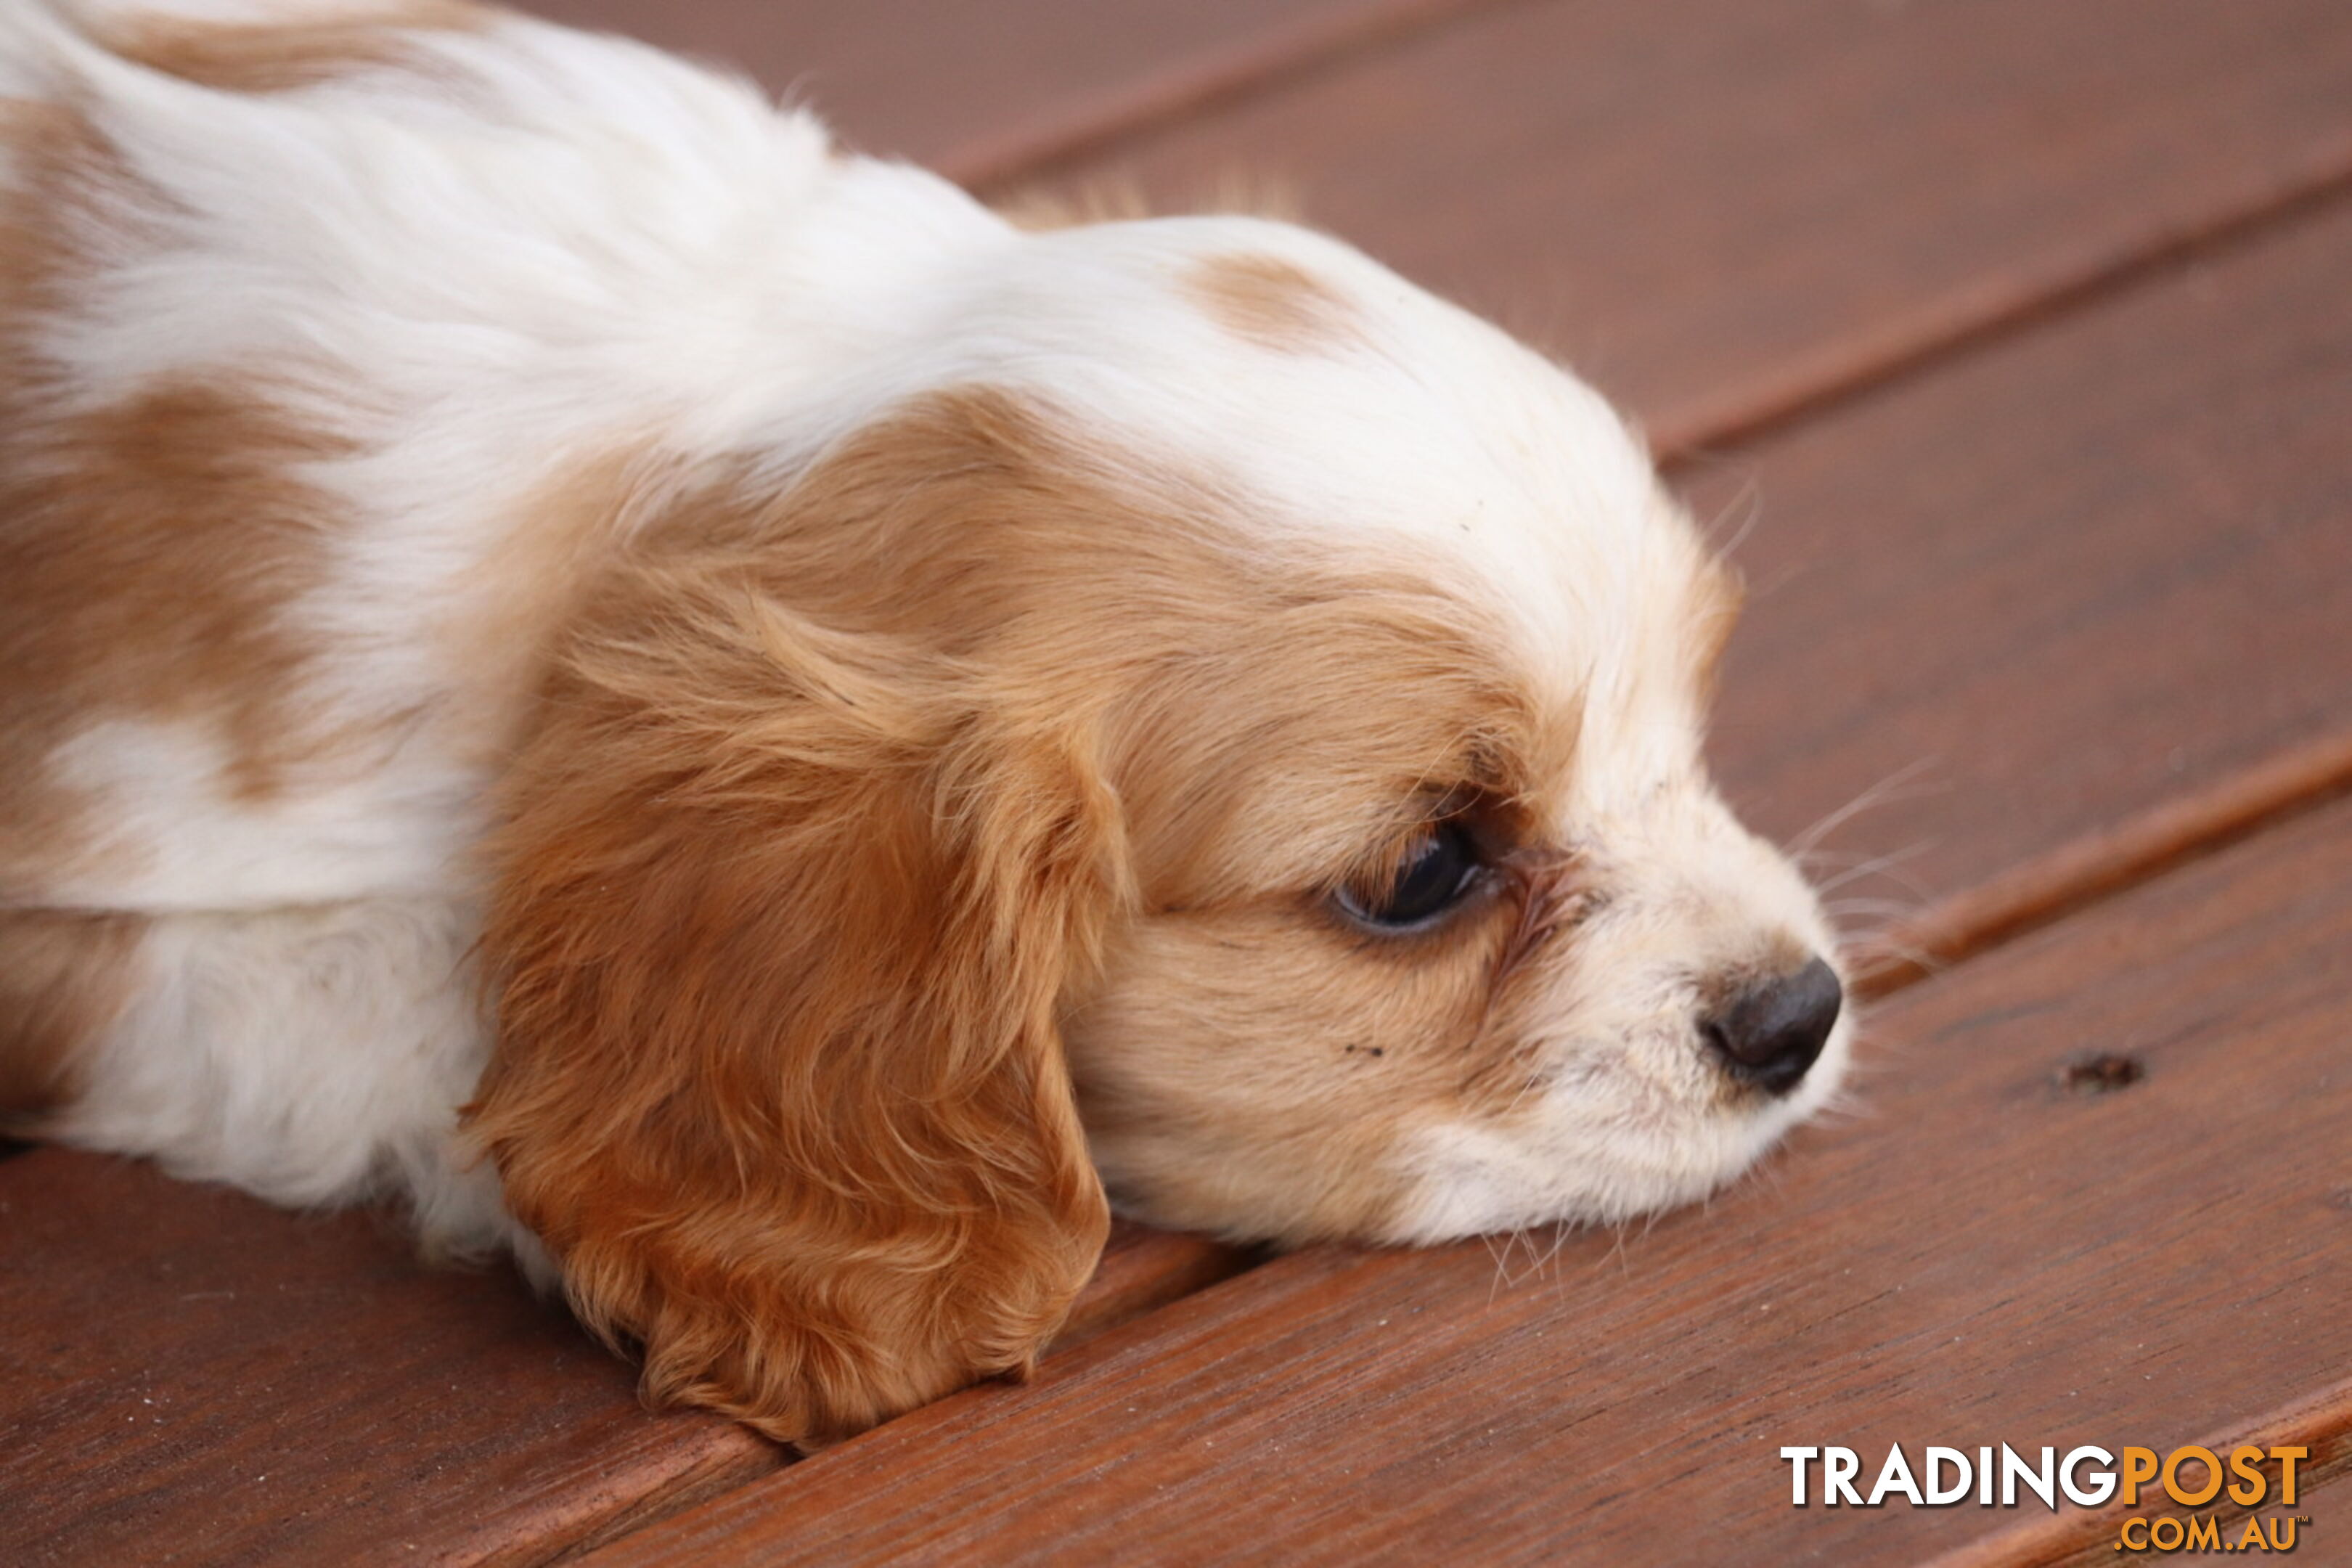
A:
(713, 713)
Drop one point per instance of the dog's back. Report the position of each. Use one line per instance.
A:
(309, 334)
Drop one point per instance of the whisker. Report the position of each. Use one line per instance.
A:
(1883, 792)
(1895, 909)
(1551, 1253)
(1886, 943)
(1879, 866)
(1495, 1284)
(1748, 501)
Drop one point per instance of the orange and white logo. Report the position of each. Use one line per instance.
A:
(1829, 1475)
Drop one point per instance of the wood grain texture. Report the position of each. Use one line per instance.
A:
(181, 1364)
(1723, 210)
(1978, 1254)
(1142, 1270)
(184, 1364)
(980, 91)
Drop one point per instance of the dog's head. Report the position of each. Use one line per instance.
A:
(1209, 715)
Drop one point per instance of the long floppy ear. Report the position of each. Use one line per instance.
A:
(780, 922)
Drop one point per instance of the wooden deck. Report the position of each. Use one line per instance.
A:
(2015, 338)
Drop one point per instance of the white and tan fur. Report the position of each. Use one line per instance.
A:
(714, 714)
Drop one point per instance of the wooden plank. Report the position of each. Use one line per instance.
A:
(1990, 1251)
(2320, 1425)
(184, 1364)
(1726, 210)
(2105, 861)
(1143, 1269)
(979, 91)
(181, 1364)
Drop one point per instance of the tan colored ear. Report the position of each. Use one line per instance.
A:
(780, 925)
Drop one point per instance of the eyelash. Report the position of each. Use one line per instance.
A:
(1435, 873)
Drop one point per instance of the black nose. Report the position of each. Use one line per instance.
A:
(1770, 1034)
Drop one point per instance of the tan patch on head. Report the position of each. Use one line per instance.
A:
(63, 979)
(149, 546)
(1254, 1068)
(285, 56)
(1273, 303)
(58, 168)
(781, 919)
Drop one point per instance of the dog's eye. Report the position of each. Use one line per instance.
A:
(1431, 878)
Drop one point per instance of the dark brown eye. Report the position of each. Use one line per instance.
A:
(1440, 867)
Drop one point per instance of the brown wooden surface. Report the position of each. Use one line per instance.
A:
(1717, 208)
(1142, 1270)
(2112, 856)
(183, 1366)
(2062, 581)
(1978, 1255)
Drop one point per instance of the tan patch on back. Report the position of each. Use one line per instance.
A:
(149, 552)
(147, 546)
(63, 979)
(288, 56)
(1273, 303)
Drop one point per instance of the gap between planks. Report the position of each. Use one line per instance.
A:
(1995, 311)
(1274, 60)
(2048, 888)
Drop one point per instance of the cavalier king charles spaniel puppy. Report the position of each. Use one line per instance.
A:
(713, 713)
